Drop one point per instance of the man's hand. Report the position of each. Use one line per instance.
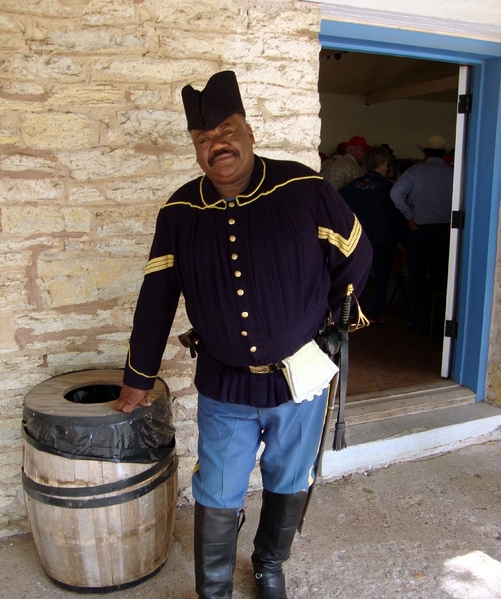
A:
(411, 225)
(131, 398)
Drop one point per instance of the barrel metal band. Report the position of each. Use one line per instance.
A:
(118, 485)
(96, 502)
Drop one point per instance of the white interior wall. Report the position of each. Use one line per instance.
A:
(401, 123)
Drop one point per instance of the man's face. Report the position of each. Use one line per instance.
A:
(225, 153)
(358, 154)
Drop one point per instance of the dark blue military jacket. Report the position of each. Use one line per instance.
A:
(258, 273)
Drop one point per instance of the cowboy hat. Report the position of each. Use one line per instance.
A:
(435, 142)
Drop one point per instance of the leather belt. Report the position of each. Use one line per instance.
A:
(265, 368)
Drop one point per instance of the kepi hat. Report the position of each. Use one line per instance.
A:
(219, 99)
(434, 142)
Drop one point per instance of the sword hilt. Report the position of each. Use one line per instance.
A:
(346, 305)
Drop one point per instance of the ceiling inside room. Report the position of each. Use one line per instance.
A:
(385, 78)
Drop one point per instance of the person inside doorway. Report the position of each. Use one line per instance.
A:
(342, 171)
(369, 198)
(423, 194)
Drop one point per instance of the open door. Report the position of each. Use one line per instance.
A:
(464, 107)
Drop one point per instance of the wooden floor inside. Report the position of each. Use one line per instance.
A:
(383, 357)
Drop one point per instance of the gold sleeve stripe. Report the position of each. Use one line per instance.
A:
(345, 246)
(160, 263)
(147, 376)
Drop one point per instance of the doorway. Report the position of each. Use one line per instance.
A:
(482, 177)
(400, 102)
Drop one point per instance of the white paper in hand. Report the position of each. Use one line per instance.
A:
(308, 372)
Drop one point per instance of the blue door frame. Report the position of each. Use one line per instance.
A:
(482, 177)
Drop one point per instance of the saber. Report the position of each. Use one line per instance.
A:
(339, 441)
(333, 348)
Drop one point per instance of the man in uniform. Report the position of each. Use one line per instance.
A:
(260, 250)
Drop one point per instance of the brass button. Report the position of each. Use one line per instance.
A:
(231, 221)
(244, 315)
(232, 238)
(253, 349)
(234, 256)
(244, 333)
(231, 204)
(238, 274)
(240, 292)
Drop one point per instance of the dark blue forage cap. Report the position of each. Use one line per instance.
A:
(219, 99)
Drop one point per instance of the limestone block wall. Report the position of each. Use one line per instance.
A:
(92, 142)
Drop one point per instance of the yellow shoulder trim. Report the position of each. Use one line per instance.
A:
(160, 263)
(345, 246)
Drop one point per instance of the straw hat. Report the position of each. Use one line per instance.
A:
(435, 142)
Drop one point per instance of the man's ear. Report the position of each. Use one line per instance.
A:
(250, 132)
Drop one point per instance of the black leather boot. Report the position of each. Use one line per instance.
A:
(215, 541)
(280, 517)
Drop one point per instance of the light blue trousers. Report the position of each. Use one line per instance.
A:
(229, 439)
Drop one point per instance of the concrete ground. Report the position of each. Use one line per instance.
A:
(427, 529)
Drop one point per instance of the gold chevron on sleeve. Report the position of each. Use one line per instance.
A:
(345, 246)
(160, 263)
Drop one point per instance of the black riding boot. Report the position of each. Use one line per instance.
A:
(215, 541)
(280, 517)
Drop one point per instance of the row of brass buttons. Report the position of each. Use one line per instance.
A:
(238, 274)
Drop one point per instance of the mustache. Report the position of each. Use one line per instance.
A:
(220, 153)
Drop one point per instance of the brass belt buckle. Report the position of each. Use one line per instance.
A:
(264, 369)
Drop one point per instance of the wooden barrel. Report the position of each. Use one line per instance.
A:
(98, 522)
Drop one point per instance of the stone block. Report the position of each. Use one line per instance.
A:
(13, 292)
(304, 156)
(291, 48)
(136, 246)
(200, 15)
(63, 69)
(24, 377)
(127, 221)
(177, 382)
(7, 138)
(30, 220)
(154, 126)
(303, 20)
(56, 130)
(147, 190)
(104, 12)
(180, 162)
(7, 331)
(152, 70)
(150, 97)
(88, 95)
(66, 280)
(45, 8)
(93, 40)
(43, 326)
(279, 73)
(70, 361)
(9, 22)
(22, 162)
(210, 44)
(16, 191)
(105, 163)
(299, 131)
(12, 42)
(85, 194)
